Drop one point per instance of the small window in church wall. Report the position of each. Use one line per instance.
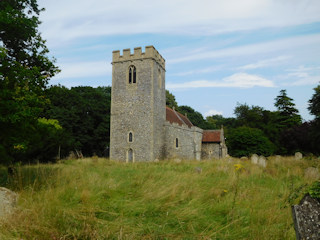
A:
(159, 78)
(130, 155)
(130, 137)
(177, 143)
(132, 74)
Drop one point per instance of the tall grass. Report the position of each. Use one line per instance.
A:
(101, 199)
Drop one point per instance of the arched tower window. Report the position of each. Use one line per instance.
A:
(177, 143)
(132, 74)
(130, 137)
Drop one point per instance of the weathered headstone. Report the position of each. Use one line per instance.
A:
(262, 161)
(177, 160)
(306, 218)
(298, 155)
(277, 158)
(254, 158)
(156, 160)
(243, 158)
(8, 200)
(312, 173)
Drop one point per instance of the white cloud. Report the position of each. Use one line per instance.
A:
(303, 75)
(308, 80)
(212, 112)
(65, 20)
(265, 63)
(199, 71)
(252, 49)
(83, 69)
(237, 80)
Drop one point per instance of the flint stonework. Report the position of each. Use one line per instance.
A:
(306, 218)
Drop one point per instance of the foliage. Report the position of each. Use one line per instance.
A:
(101, 199)
(84, 114)
(314, 103)
(195, 117)
(217, 121)
(314, 108)
(171, 100)
(244, 141)
(289, 116)
(24, 73)
(297, 139)
(314, 190)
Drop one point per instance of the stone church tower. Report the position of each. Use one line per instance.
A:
(138, 105)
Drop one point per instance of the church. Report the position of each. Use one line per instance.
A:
(143, 128)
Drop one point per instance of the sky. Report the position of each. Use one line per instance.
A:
(219, 53)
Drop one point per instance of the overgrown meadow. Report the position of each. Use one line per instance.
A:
(97, 198)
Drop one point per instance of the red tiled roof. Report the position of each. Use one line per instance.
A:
(211, 136)
(174, 117)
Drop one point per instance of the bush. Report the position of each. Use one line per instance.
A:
(244, 141)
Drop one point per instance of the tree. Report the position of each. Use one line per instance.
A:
(84, 114)
(289, 116)
(195, 117)
(314, 103)
(314, 108)
(171, 100)
(249, 116)
(244, 141)
(25, 70)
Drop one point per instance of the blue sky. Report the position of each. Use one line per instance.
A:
(218, 52)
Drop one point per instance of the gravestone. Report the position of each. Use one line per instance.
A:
(306, 218)
(254, 158)
(243, 158)
(298, 155)
(8, 200)
(262, 161)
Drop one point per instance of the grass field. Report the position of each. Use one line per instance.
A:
(100, 199)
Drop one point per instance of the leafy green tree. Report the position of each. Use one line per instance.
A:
(195, 117)
(298, 139)
(314, 108)
(314, 103)
(84, 114)
(244, 141)
(289, 116)
(249, 116)
(25, 70)
(171, 100)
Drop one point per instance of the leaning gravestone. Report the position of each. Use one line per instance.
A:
(254, 158)
(298, 155)
(306, 218)
(8, 200)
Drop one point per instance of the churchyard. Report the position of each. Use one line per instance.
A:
(95, 198)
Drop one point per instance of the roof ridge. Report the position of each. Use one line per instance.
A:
(177, 113)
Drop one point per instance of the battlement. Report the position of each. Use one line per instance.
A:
(150, 53)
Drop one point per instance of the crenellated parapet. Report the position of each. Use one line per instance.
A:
(150, 53)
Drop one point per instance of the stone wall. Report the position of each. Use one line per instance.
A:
(211, 150)
(189, 141)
